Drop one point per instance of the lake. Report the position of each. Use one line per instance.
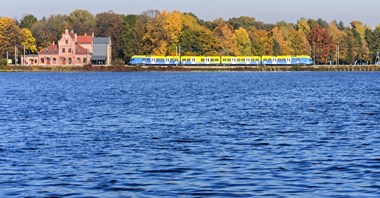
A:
(227, 134)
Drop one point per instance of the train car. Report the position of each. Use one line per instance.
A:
(155, 60)
(302, 60)
(286, 60)
(200, 60)
(241, 60)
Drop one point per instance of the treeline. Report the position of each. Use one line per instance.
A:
(161, 33)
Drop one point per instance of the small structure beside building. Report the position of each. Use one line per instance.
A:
(74, 50)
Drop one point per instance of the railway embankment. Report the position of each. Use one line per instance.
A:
(128, 68)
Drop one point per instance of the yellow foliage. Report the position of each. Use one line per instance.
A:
(28, 40)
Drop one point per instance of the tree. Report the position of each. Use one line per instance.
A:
(283, 44)
(28, 21)
(322, 44)
(48, 30)
(163, 32)
(243, 21)
(10, 36)
(28, 41)
(373, 40)
(81, 21)
(243, 42)
(224, 33)
(112, 25)
(262, 42)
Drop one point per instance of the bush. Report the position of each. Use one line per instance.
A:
(118, 62)
(3, 62)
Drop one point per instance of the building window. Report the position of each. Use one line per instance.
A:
(78, 60)
(47, 50)
(42, 60)
(69, 50)
(63, 50)
(85, 60)
(67, 42)
(54, 60)
(70, 61)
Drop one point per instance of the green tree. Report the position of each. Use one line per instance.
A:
(28, 21)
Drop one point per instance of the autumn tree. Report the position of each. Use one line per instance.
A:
(112, 25)
(280, 40)
(46, 31)
(262, 42)
(224, 33)
(163, 32)
(28, 41)
(322, 44)
(81, 21)
(243, 42)
(196, 39)
(10, 36)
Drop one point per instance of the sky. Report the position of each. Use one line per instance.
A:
(268, 11)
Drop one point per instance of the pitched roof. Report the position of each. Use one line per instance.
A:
(84, 39)
(72, 35)
(102, 40)
(81, 50)
(52, 49)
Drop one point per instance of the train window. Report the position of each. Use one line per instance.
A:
(257, 60)
(202, 60)
(212, 60)
(217, 60)
(229, 60)
(224, 60)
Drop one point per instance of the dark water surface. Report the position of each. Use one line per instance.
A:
(293, 134)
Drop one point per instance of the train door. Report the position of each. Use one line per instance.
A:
(288, 61)
(233, 61)
(274, 60)
(248, 61)
(167, 60)
(193, 60)
(207, 60)
(152, 61)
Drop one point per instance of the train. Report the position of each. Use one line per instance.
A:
(142, 60)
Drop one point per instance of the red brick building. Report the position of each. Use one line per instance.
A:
(71, 50)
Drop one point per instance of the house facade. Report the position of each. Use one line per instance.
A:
(71, 50)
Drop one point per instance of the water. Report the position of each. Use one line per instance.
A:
(293, 134)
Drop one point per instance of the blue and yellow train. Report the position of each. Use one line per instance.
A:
(221, 60)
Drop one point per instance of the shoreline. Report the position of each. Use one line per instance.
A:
(127, 68)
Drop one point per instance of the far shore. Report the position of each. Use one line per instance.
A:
(128, 68)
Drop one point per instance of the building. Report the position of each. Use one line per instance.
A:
(74, 50)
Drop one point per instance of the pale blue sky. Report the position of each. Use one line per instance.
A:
(268, 11)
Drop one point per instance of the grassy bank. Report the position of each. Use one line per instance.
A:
(188, 68)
